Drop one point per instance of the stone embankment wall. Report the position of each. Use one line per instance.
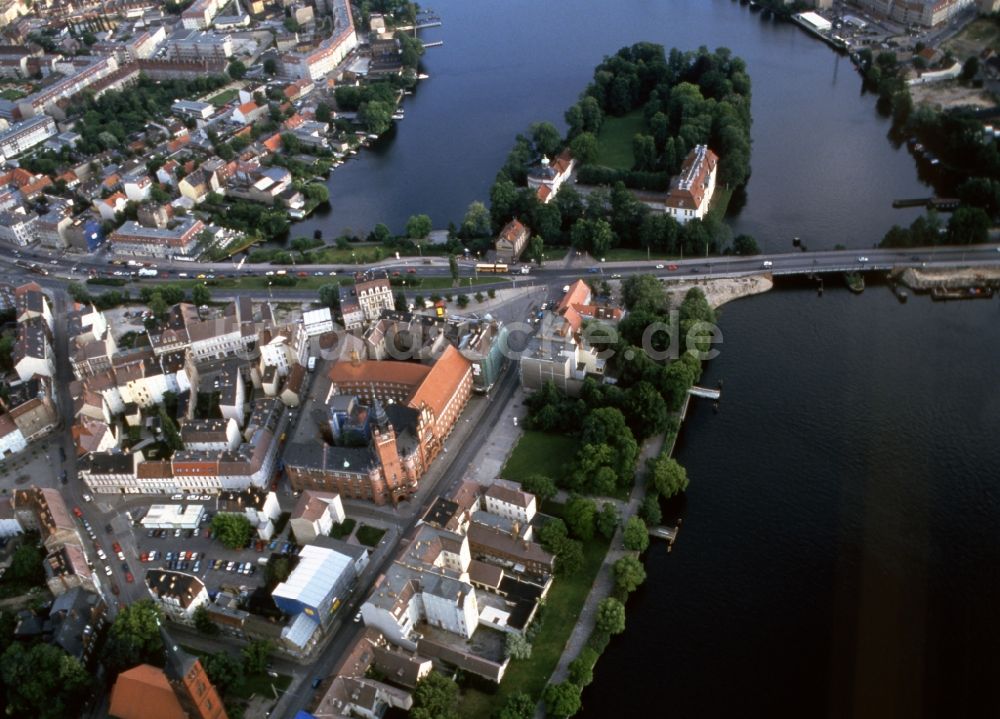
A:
(922, 280)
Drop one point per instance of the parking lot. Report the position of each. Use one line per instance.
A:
(195, 552)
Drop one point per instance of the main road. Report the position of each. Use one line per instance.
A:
(66, 268)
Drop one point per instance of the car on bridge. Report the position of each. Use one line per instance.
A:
(862, 259)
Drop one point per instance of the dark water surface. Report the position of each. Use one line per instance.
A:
(839, 552)
(822, 166)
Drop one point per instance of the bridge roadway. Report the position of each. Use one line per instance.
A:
(72, 267)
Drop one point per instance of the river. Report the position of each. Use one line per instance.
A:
(823, 169)
(838, 555)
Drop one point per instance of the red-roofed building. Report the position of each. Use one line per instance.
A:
(511, 241)
(691, 191)
(249, 112)
(550, 175)
(414, 408)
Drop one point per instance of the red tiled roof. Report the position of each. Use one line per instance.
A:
(374, 371)
(144, 693)
(273, 143)
(441, 382)
(577, 295)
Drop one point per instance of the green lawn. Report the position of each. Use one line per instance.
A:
(539, 453)
(614, 141)
(369, 536)
(562, 608)
(224, 97)
(720, 201)
(342, 530)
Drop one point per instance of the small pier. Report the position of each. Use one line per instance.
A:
(667, 533)
(931, 203)
(705, 392)
(420, 26)
(436, 43)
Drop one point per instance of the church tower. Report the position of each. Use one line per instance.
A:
(191, 684)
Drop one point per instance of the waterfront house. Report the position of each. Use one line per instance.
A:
(691, 191)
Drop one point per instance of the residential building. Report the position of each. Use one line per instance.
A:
(324, 58)
(374, 295)
(559, 351)
(927, 13)
(78, 619)
(428, 589)
(178, 594)
(316, 322)
(507, 499)
(200, 14)
(191, 108)
(66, 568)
(45, 511)
(33, 353)
(9, 525)
(258, 505)
(351, 314)
(25, 135)
(353, 692)
(134, 239)
(30, 303)
(691, 191)
(18, 227)
(210, 435)
(315, 514)
(511, 241)
(188, 44)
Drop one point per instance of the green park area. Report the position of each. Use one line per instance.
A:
(224, 97)
(539, 453)
(614, 140)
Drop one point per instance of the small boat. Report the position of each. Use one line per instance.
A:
(398, 116)
(855, 282)
(372, 136)
(423, 76)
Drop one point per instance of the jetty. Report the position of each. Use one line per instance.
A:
(705, 392)
(436, 43)
(667, 533)
(931, 203)
(420, 26)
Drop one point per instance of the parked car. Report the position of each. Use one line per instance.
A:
(129, 578)
(77, 512)
(197, 567)
(107, 569)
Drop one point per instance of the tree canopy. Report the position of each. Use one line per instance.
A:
(434, 698)
(42, 681)
(233, 530)
(611, 616)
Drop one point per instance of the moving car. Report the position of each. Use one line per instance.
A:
(862, 259)
(659, 266)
